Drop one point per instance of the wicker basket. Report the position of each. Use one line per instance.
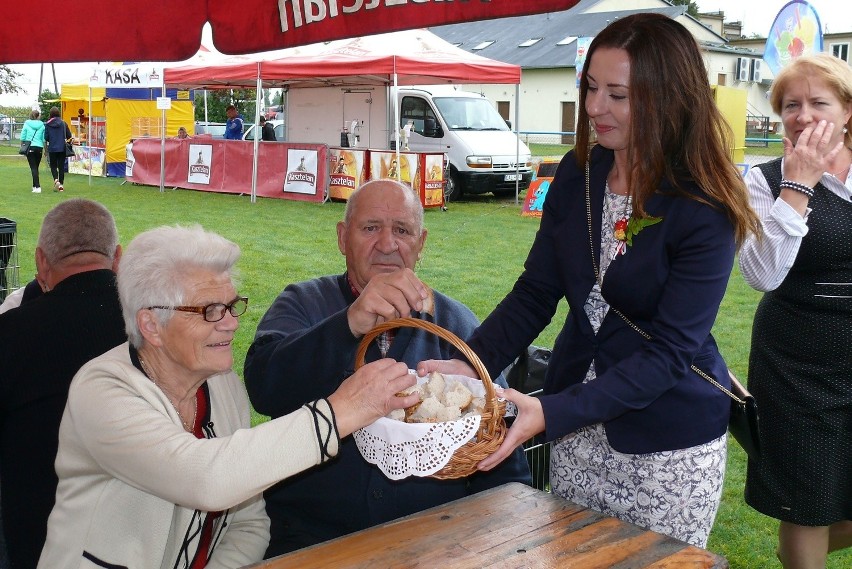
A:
(492, 427)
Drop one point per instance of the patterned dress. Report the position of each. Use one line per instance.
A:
(675, 492)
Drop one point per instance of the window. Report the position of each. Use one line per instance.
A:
(567, 41)
(416, 109)
(840, 50)
(529, 42)
(482, 45)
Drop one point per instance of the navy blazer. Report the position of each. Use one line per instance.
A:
(670, 283)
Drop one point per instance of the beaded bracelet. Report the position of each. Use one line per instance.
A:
(796, 186)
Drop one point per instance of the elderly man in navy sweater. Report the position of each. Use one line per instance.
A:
(305, 346)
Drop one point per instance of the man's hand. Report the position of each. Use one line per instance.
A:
(386, 296)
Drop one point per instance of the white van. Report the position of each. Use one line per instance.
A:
(482, 150)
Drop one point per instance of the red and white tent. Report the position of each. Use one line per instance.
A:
(411, 57)
(416, 57)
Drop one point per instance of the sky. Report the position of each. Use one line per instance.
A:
(756, 15)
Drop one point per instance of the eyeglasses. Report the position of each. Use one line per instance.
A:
(213, 312)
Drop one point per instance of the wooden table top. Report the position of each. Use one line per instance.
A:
(511, 526)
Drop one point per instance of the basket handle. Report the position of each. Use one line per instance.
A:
(408, 322)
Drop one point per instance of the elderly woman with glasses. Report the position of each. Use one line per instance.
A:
(157, 464)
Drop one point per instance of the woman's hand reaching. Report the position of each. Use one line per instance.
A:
(370, 393)
(528, 423)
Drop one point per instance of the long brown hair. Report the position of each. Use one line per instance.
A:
(676, 130)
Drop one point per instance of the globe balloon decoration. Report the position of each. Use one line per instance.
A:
(796, 31)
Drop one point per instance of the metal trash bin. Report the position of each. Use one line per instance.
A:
(8, 257)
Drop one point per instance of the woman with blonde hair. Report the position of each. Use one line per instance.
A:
(801, 356)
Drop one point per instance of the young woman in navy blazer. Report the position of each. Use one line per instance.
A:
(638, 234)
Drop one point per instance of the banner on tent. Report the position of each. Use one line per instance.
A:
(165, 30)
(143, 75)
(351, 167)
(225, 166)
(302, 171)
(346, 171)
(86, 159)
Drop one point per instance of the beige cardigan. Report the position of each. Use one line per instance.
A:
(131, 479)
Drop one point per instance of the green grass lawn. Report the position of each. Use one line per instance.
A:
(474, 252)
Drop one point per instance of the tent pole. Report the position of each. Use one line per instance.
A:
(517, 142)
(163, 144)
(396, 120)
(205, 108)
(257, 135)
(89, 136)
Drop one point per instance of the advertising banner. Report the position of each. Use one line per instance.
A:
(384, 164)
(346, 171)
(165, 30)
(141, 75)
(301, 171)
(796, 31)
(284, 170)
(200, 165)
(86, 158)
(432, 186)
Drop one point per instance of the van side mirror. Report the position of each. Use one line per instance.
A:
(509, 124)
(431, 128)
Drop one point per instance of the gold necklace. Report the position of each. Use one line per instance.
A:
(187, 425)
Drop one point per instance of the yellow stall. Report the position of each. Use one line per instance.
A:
(116, 116)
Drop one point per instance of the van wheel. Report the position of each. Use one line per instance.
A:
(452, 187)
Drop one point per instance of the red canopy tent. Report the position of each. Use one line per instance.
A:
(169, 30)
(412, 57)
(416, 57)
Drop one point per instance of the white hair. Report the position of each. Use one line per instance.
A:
(154, 266)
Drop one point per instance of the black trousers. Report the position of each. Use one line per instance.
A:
(57, 165)
(34, 159)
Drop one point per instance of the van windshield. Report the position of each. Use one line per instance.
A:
(465, 113)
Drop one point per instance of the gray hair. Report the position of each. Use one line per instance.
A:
(76, 226)
(412, 200)
(155, 264)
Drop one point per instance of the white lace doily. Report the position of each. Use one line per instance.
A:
(403, 449)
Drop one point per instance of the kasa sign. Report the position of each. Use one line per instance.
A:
(143, 75)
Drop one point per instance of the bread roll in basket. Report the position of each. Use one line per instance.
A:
(491, 428)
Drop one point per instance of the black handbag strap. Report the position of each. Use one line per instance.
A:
(627, 320)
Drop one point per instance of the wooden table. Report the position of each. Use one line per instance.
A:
(511, 526)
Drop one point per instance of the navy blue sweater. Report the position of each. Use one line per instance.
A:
(303, 350)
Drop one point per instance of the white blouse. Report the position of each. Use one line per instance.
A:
(765, 264)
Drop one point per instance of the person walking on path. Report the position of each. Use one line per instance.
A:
(33, 131)
(58, 134)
